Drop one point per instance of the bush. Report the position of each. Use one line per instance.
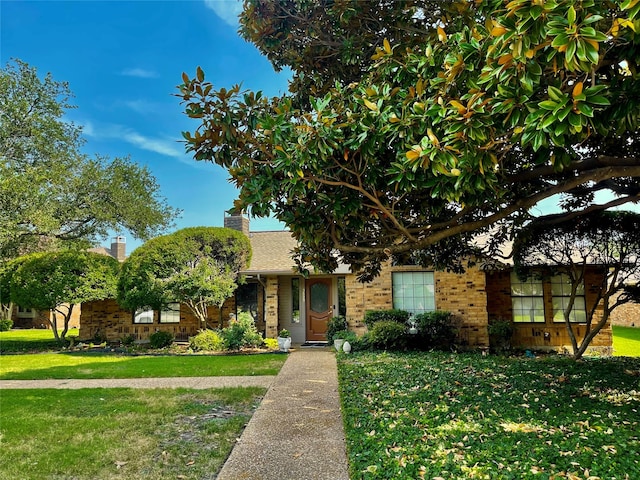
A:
(500, 332)
(241, 333)
(207, 341)
(371, 317)
(271, 343)
(388, 335)
(335, 325)
(160, 339)
(435, 329)
(128, 340)
(359, 343)
(6, 325)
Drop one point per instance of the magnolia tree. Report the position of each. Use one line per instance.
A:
(50, 192)
(195, 266)
(608, 241)
(463, 117)
(57, 282)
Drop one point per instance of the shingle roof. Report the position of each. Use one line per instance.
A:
(272, 252)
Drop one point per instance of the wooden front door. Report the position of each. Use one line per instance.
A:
(319, 310)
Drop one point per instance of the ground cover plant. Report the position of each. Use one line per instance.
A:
(121, 433)
(91, 365)
(454, 416)
(626, 341)
(28, 340)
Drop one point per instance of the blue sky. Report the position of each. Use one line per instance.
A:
(123, 60)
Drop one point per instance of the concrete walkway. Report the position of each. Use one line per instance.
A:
(296, 432)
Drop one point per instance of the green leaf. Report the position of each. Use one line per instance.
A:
(598, 100)
(547, 122)
(560, 40)
(548, 105)
(555, 93)
(586, 110)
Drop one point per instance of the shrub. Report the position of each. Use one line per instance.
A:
(6, 325)
(271, 343)
(160, 339)
(335, 325)
(251, 337)
(371, 317)
(388, 335)
(207, 341)
(359, 343)
(500, 332)
(435, 329)
(127, 340)
(241, 333)
(284, 333)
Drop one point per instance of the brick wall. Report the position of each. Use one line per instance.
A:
(549, 335)
(106, 319)
(463, 295)
(626, 315)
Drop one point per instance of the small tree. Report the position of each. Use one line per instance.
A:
(608, 240)
(196, 266)
(58, 281)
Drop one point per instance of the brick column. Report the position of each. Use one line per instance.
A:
(271, 307)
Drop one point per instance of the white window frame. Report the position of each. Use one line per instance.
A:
(413, 291)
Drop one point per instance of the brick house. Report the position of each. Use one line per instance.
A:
(278, 298)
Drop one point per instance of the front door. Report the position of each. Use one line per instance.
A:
(319, 309)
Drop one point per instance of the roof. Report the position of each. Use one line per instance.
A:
(272, 252)
(100, 250)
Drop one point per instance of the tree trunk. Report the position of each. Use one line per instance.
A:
(6, 310)
(53, 322)
(67, 319)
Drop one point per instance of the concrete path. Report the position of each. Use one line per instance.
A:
(296, 432)
(177, 382)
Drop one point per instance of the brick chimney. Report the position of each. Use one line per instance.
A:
(237, 222)
(119, 248)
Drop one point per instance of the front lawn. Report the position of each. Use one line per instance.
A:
(29, 340)
(626, 341)
(122, 434)
(91, 365)
(461, 416)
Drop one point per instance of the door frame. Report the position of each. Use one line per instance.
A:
(330, 281)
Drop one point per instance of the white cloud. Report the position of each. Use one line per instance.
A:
(166, 146)
(139, 72)
(227, 10)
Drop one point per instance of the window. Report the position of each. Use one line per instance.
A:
(527, 299)
(295, 300)
(143, 316)
(171, 314)
(414, 291)
(561, 292)
(342, 297)
(26, 312)
(247, 299)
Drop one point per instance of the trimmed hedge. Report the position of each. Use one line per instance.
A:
(388, 335)
(371, 317)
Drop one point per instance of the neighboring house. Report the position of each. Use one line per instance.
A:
(278, 298)
(31, 318)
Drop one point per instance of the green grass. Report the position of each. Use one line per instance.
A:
(122, 434)
(460, 416)
(626, 341)
(91, 365)
(30, 340)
